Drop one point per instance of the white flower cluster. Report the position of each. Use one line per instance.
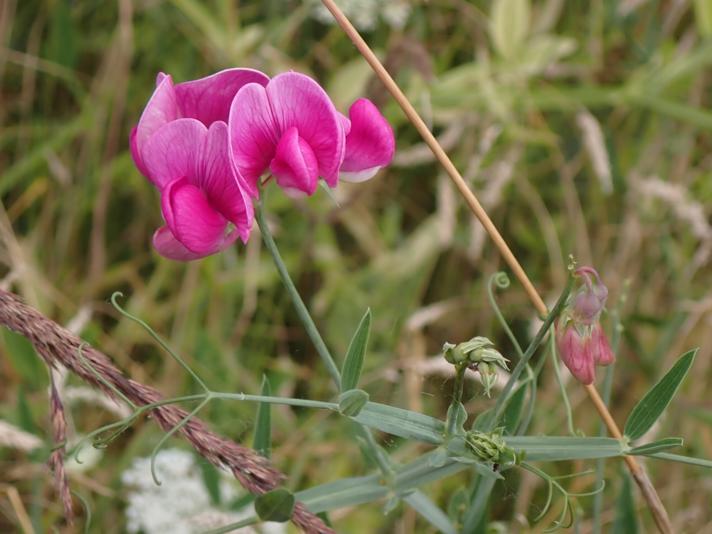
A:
(181, 504)
(364, 14)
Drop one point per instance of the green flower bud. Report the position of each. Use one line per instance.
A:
(454, 353)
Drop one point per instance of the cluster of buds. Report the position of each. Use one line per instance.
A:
(581, 341)
(477, 354)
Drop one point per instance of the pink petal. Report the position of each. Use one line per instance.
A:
(173, 151)
(191, 218)
(298, 101)
(601, 348)
(294, 165)
(169, 247)
(253, 135)
(162, 108)
(208, 99)
(220, 183)
(370, 143)
(135, 153)
(575, 352)
(345, 123)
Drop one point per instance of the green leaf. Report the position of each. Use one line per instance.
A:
(509, 26)
(211, 479)
(403, 423)
(700, 462)
(648, 410)
(340, 493)
(276, 505)
(429, 510)
(353, 363)
(351, 402)
(262, 442)
(626, 522)
(656, 446)
(513, 411)
(560, 448)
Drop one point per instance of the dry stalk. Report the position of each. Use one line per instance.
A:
(56, 458)
(639, 475)
(59, 347)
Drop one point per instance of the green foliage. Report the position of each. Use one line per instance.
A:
(262, 442)
(652, 405)
(353, 362)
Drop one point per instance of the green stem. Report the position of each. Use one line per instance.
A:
(531, 349)
(299, 305)
(456, 399)
(305, 403)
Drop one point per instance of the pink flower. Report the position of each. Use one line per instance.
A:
(206, 99)
(291, 128)
(181, 145)
(370, 144)
(204, 206)
(580, 339)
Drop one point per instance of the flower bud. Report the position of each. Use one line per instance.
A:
(575, 352)
(580, 339)
(602, 352)
(590, 299)
(488, 373)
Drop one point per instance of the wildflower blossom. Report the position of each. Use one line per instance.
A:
(181, 145)
(291, 128)
(580, 339)
(206, 100)
(203, 204)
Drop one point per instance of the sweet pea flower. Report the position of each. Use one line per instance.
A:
(580, 339)
(181, 145)
(206, 100)
(291, 128)
(204, 206)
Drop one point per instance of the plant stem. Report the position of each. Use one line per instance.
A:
(524, 360)
(299, 305)
(456, 398)
(658, 510)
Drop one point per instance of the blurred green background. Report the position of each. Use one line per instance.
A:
(584, 128)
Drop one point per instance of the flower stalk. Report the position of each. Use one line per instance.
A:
(299, 305)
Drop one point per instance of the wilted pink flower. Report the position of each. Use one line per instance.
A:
(200, 197)
(206, 100)
(290, 126)
(580, 339)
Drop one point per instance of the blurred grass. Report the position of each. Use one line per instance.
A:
(77, 219)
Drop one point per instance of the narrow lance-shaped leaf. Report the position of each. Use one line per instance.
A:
(656, 446)
(353, 363)
(263, 424)
(648, 410)
(422, 504)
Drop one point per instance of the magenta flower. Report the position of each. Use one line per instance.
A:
(204, 206)
(181, 145)
(291, 128)
(580, 339)
(370, 144)
(206, 100)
